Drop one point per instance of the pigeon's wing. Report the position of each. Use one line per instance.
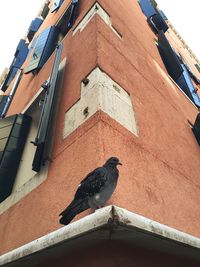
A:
(92, 183)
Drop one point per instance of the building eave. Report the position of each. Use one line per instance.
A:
(107, 223)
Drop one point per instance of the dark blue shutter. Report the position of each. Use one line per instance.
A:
(43, 49)
(13, 134)
(33, 28)
(185, 83)
(3, 100)
(20, 56)
(196, 128)
(56, 5)
(157, 23)
(147, 8)
(11, 74)
(169, 57)
(46, 115)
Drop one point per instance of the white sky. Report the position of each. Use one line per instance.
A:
(184, 15)
(16, 16)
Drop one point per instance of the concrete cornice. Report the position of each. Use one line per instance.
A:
(107, 223)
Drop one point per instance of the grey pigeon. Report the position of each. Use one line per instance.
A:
(93, 191)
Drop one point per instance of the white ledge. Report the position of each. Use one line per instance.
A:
(95, 10)
(114, 223)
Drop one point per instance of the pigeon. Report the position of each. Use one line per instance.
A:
(93, 191)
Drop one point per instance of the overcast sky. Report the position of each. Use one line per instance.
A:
(16, 16)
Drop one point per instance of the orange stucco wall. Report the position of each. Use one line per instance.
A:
(160, 174)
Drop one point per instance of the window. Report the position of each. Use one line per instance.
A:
(68, 18)
(196, 128)
(177, 69)
(44, 47)
(33, 28)
(13, 133)
(20, 56)
(56, 5)
(3, 100)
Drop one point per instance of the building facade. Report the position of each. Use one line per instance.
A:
(91, 80)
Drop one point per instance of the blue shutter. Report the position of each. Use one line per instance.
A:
(33, 28)
(11, 74)
(3, 101)
(56, 5)
(45, 45)
(192, 75)
(185, 83)
(20, 56)
(147, 8)
(169, 57)
(47, 113)
(13, 134)
(196, 128)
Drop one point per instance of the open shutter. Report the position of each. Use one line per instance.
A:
(33, 28)
(147, 8)
(196, 128)
(47, 114)
(56, 5)
(169, 57)
(20, 56)
(43, 49)
(184, 81)
(3, 100)
(11, 74)
(13, 133)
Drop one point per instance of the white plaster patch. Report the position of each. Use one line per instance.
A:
(95, 10)
(101, 93)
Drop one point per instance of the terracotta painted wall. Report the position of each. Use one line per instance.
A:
(160, 174)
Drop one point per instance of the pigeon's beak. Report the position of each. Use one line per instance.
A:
(119, 163)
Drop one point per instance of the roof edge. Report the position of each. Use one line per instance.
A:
(115, 218)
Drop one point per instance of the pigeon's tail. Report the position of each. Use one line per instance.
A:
(74, 208)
